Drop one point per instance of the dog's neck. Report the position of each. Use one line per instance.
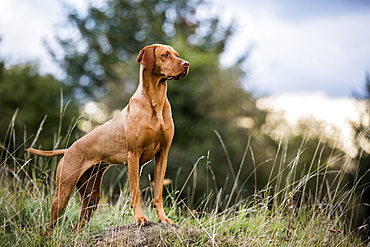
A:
(154, 88)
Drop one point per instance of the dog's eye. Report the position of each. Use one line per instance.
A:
(165, 55)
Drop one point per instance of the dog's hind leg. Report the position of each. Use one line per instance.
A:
(89, 187)
(65, 183)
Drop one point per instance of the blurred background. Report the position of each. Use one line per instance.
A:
(270, 82)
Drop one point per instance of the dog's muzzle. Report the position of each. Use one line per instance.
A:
(185, 65)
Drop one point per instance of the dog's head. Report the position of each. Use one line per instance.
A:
(163, 60)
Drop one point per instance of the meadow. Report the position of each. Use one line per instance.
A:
(278, 215)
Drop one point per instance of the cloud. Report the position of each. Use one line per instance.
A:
(307, 51)
(24, 25)
(303, 10)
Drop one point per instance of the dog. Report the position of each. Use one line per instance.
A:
(143, 130)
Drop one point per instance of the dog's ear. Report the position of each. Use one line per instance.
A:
(146, 57)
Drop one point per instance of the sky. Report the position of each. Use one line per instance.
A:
(306, 54)
(295, 46)
(303, 46)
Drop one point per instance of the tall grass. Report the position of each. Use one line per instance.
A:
(283, 213)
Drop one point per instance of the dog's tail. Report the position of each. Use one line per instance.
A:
(58, 152)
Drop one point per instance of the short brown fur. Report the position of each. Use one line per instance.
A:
(143, 130)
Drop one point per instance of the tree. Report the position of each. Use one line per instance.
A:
(111, 34)
(26, 98)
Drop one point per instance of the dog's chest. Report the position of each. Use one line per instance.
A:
(158, 135)
(159, 131)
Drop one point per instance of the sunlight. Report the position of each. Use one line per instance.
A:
(336, 114)
(91, 108)
(94, 114)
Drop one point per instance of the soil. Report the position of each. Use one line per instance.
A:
(154, 234)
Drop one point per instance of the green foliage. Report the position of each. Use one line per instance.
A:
(29, 97)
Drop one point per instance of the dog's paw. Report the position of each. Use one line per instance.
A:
(168, 221)
(165, 220)
(145, 223)
(142, 221)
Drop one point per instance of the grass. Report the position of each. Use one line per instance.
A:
(24, 215)
(279, 215)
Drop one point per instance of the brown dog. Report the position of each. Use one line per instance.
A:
(143, 130)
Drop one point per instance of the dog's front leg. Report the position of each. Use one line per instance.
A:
(159, 173)
(133, 174)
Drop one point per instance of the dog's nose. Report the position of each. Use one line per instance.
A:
(185, 64)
